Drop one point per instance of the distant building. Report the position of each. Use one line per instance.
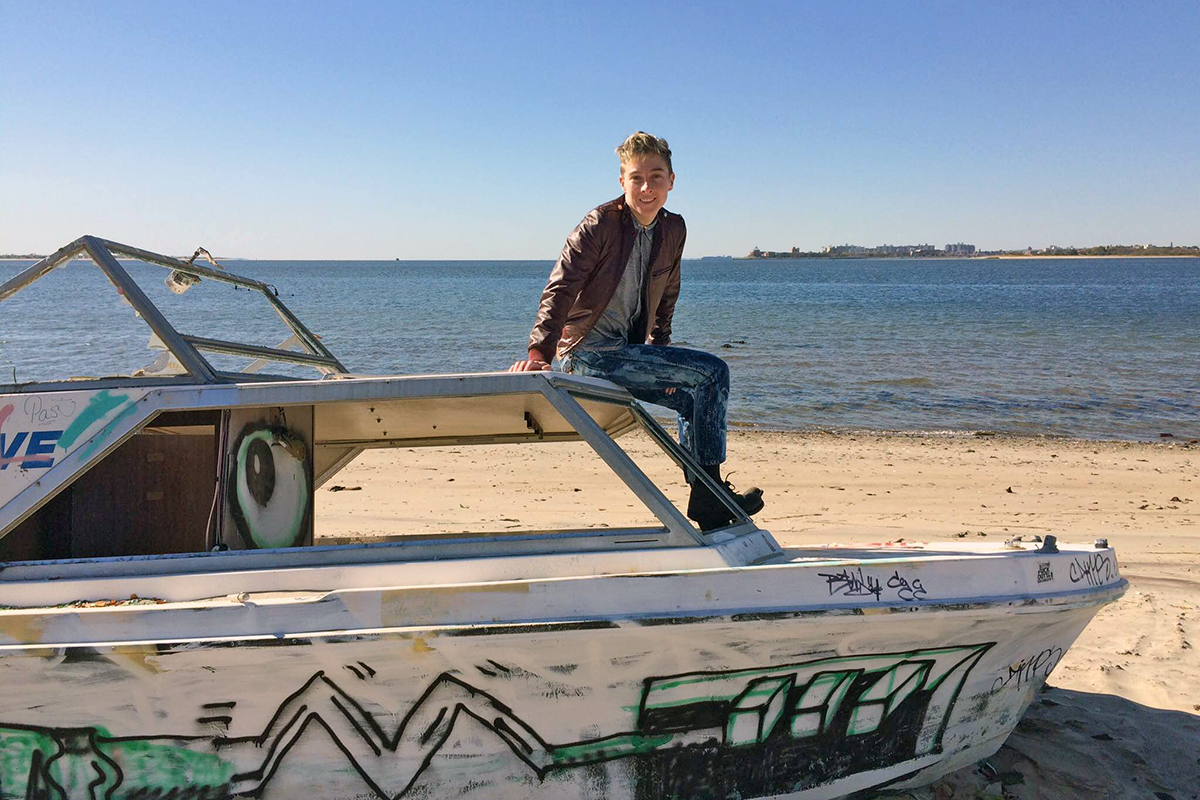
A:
(892, 250)
(960, 249)
(845, 250)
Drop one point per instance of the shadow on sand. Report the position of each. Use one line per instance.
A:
(1073, 744)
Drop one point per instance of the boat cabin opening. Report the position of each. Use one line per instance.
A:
(196, 458)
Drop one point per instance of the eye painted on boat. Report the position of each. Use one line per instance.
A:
(260, 471)
(269, 494)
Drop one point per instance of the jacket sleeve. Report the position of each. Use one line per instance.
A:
(575, 265)
(661, 334)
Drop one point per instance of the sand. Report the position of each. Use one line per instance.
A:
(1121, 713)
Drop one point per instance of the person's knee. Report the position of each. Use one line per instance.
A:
(718, 371)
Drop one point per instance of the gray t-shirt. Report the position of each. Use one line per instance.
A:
(612, 329)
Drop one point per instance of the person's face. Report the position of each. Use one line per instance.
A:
(646, 181)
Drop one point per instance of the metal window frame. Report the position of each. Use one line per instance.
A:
(186, 349)
(560, 392)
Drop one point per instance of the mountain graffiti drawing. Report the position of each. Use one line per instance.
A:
(760, 731)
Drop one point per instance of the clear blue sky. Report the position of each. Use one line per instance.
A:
(486, 130)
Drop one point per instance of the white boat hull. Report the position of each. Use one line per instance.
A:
(803, 704)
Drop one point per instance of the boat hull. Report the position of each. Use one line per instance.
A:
(803, 704)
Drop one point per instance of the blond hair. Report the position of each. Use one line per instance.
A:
(644, 144)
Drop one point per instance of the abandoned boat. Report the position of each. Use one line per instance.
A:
(173, 623)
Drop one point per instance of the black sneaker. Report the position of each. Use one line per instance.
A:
(710, 513)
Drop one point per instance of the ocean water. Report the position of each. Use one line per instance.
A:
(1095, 348)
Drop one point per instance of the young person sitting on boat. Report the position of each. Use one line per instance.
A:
(607, 308)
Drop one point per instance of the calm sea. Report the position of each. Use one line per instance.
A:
(1085, 348)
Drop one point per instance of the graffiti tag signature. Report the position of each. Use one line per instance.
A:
(856, 583)
(1030, 668)
(1096, 569)
(852, 583)
(905, 590)
(42, 411)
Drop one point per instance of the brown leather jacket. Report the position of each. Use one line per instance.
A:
(586, 274)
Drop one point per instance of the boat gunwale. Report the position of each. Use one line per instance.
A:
(747, 571)
(1087, 597)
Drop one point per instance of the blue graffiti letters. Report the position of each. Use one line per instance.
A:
(41, 443)
(9, 447)
(37, 443)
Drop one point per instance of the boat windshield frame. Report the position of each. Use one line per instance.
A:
(187, 350)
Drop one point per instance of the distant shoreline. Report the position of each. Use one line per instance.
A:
(1176, 255)
(950, 258)
(709, 258)
(76, 258)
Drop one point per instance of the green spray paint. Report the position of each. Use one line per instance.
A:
(87, 762)
(96, 410)
(148, 764)
(100, 437)
(620, 746)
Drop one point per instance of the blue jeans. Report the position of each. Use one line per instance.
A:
(700, 381)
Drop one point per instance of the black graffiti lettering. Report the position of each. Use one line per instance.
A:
(1095, 569)
(852, 583)
(42, 411)
(1035, 667)
(905, 590)
(751, 732)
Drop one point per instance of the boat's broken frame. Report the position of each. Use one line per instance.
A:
(186, 349)
(423, 411)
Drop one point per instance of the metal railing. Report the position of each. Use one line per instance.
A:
(186, 349)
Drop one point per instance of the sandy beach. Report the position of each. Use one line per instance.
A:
(1120, 717)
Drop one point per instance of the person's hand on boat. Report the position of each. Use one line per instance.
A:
(535, 363)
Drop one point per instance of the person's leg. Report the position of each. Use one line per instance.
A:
(699, 380)
(701, 389)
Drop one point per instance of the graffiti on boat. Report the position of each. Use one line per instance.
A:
(1095, 569)
(269, 494)
(856, 583)
(707, 734)
(1036, 667)
(42, 430)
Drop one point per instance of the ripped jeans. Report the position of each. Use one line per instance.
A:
(700, 380)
